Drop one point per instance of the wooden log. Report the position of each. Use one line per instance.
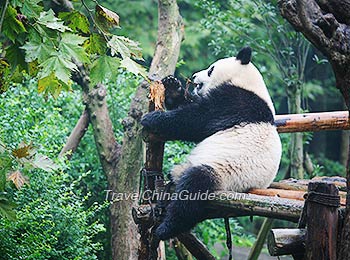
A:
(312, 122)
(286, 241)
(233, 204)
(322, 221)
(290, 194)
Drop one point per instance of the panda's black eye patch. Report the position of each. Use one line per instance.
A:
(210, 71)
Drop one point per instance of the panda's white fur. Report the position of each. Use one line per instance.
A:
(246, 156)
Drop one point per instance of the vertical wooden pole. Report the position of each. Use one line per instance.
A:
(322, 221)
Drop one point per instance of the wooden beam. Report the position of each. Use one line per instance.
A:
(232, 204)
(312, 122)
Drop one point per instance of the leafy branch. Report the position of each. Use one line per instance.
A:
(49, 45)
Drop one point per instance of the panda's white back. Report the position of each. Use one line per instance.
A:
(243, 157)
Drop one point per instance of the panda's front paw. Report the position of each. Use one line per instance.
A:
(174, 92)
(171, 82)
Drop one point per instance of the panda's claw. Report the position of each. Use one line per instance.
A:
(171, 81)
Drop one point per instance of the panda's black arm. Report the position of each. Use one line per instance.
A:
(185, 123)
(226, 107)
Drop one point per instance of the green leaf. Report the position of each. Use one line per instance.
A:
(31, 9)
(7, 208)
(16, 57)
(50, 85)
(103, 68)
(49, 20)
(125, 47)
(58, 64)
(5, 167)
(133, 67)
(96, 44)
(36, 49)
(12, 27)
(70, 47)
(76, 21)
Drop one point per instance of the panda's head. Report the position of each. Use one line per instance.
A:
(238, 71)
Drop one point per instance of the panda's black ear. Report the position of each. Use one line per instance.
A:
(245, 55)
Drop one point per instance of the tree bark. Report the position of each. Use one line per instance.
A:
(326, 25)
(296, 151)
(76, 135)
(170, 35)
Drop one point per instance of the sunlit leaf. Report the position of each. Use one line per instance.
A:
(125, 47)
(49, 20)
(104, 68)
(70, 47)
(76, 21)
(37, 50)
(60, 65)
(133, 67)
(18, 179)
(50, 84)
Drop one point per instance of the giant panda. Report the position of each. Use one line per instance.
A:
(231, 115)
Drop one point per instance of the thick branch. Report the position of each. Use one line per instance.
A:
(195, 246)
(76, 135)
(340, 9)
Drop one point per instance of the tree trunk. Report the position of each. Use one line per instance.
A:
(343, 83)
(296, 151)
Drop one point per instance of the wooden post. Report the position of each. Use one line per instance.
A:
(322, 221)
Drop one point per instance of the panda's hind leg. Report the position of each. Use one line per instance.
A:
(185, 212)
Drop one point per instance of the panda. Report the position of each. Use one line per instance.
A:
(231, 117)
